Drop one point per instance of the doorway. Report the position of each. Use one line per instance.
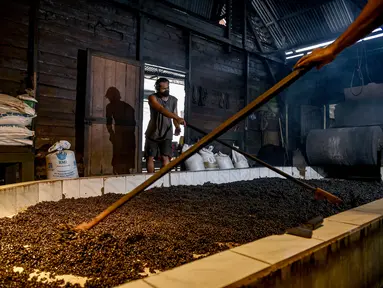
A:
(177, 89)
(112, 116)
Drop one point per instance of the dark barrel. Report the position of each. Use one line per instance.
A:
(344, 146)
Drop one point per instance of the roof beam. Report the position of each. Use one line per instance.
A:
(161, 12)
(298, 13)
(254, 9)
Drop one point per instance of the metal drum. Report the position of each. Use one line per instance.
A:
(344, 146)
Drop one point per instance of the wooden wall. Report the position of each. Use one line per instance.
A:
(221, 75)
(67, 28)
(164, 45)
(14, 24)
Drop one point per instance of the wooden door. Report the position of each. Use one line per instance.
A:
(112, 130)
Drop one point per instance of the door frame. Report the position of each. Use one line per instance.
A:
(87, 118)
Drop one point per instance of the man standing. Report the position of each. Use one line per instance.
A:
(159, 134)
(369, 19)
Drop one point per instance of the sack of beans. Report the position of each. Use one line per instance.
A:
(224, 161)
(239, 160)
(61, 162)
(195, 162)
(208, 157)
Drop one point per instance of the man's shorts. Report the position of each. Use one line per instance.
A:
(158, 148)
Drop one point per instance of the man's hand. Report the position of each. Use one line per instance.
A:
(180, 121)
(178, 131)
(319, 57)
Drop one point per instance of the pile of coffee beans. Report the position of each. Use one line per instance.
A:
(159, 229)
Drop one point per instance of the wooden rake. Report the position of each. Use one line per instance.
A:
(221, 129)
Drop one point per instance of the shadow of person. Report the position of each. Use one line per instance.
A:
(122, 135)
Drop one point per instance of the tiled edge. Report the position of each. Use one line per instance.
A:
(71, 189)
(269, 254)
(297, 173)
(375, 207)
(8, 206)
(354, 217)
(199, 177)
(132, 181)
(213, 176)
(115, 185)
(255, 173)
(91, 187)
(264, 172)
(214, 271)
(54, 190)
(50, 191)
(276, 248)
(235, 175)
(312, 174)
(136, 284)
(27, 196)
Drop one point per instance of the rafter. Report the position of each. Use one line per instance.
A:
(254, 9)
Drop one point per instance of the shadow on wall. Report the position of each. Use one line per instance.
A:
(122, 134)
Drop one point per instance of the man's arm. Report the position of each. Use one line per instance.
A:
(176, 124)
(158, 107)
(370, 18)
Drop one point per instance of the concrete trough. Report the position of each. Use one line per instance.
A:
(345, 252)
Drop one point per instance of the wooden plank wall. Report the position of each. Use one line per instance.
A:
(164, 45)
(221, 75)
(259, 82)
(14, 23)
(66, 28)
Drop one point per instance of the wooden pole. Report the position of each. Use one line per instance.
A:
(319, 193)
(221, 129)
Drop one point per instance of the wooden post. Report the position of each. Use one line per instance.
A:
(229, 16)
(188, 83)
(247, 64)
(244, 33)
(33, 52)
(139, 57)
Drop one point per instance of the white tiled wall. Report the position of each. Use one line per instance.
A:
(115, 185)
(18, 197)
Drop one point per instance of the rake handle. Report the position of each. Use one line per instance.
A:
(218, 131)
(330, 197)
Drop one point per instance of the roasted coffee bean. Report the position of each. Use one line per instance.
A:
(159, 229)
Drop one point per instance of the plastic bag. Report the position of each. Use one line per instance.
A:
(59, 146)
(195, 162)
(208, 158)
(239, 160)
(224, 161)
(61, 164)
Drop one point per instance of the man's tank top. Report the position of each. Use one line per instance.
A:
(160, 127)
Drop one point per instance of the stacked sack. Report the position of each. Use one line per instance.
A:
(206, 159)
(16, 114)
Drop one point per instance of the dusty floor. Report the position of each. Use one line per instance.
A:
(160, 229)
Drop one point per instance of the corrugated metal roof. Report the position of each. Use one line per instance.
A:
(199, 7)
(292, 23)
